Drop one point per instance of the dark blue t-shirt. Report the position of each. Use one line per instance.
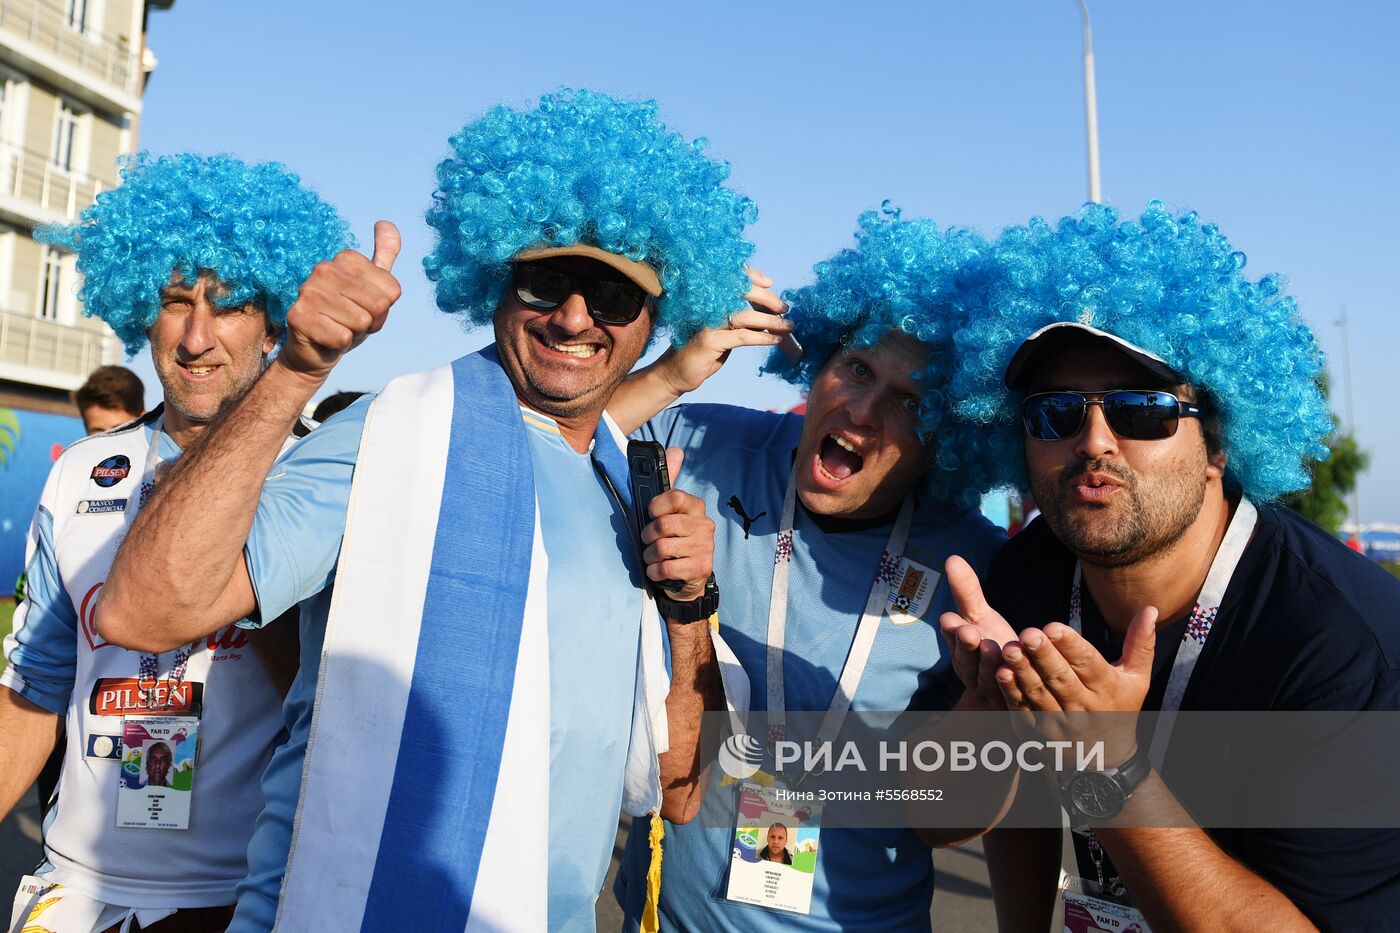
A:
(1306, 624)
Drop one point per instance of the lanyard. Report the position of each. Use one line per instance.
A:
(1198, 626)
(875, 604)
(148, 472)
(148, 673)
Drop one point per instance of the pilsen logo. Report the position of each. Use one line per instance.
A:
(117, 696)
(111, 471)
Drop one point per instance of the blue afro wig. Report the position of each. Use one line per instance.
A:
(1174, 286)
(909, 275)
(253, 226)
(585, 167)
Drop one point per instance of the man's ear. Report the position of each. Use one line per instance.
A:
(1216, 463)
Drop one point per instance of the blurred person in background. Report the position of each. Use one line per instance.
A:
(111, 396)
(334, 404)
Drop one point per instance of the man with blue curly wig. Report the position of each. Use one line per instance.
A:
(1166, 401)
(200, 257)
(858, 503)
(479, 635)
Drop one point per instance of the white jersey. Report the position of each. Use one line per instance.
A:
(58, 661)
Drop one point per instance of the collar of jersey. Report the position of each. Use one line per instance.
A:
(546, 424)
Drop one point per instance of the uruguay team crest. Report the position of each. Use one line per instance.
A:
(911, 593)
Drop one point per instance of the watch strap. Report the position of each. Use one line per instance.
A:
(1134, 771)
(694, 610)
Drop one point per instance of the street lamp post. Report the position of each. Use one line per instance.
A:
(1351, 416)
(1091, 107)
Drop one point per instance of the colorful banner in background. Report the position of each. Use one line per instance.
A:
(1378, 541)
(29, 444)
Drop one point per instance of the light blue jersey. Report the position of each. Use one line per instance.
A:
(739, 461)
(593, 639)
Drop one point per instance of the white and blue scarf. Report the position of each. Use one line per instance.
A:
(425, 790)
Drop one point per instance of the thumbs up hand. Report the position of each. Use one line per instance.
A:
(344, 300)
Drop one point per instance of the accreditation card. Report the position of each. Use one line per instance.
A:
(156, 782)
(1086, 913)
(774, 858)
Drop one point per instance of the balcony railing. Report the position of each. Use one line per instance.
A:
(42, 23)
(38, 343)
(34, 179)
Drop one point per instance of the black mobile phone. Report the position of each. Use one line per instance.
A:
(648, 477)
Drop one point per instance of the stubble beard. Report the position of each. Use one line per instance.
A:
(553, 400)
(173, 392)
(1153, 519)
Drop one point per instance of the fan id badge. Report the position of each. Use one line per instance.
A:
(1098, 912)
(911, 592)
(156, 781)
(775, 845)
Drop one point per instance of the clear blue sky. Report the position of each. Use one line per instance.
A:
(1279, 120)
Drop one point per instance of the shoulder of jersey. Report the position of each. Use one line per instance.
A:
(744, 428)
(135, 424)
(300, 429)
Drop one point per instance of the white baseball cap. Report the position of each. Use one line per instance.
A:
(1057, 335)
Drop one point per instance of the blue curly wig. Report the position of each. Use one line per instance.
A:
(909, 275)
(1174, 286)
(253, 226)
(586, 167)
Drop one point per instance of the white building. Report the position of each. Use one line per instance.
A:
(72, 73)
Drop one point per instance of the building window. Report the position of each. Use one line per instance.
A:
(51, 284)
(65, 134)
(12, 104)
(75, 15)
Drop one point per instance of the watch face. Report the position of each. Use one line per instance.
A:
(1095, 794)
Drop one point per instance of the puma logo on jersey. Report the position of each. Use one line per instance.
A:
(738, 508)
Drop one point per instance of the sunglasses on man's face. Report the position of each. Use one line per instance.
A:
(1134, 414)
(609, 301)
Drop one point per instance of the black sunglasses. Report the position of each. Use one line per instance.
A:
(609, 301)
(1135, 414)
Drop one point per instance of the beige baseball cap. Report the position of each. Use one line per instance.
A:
(640, 273)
